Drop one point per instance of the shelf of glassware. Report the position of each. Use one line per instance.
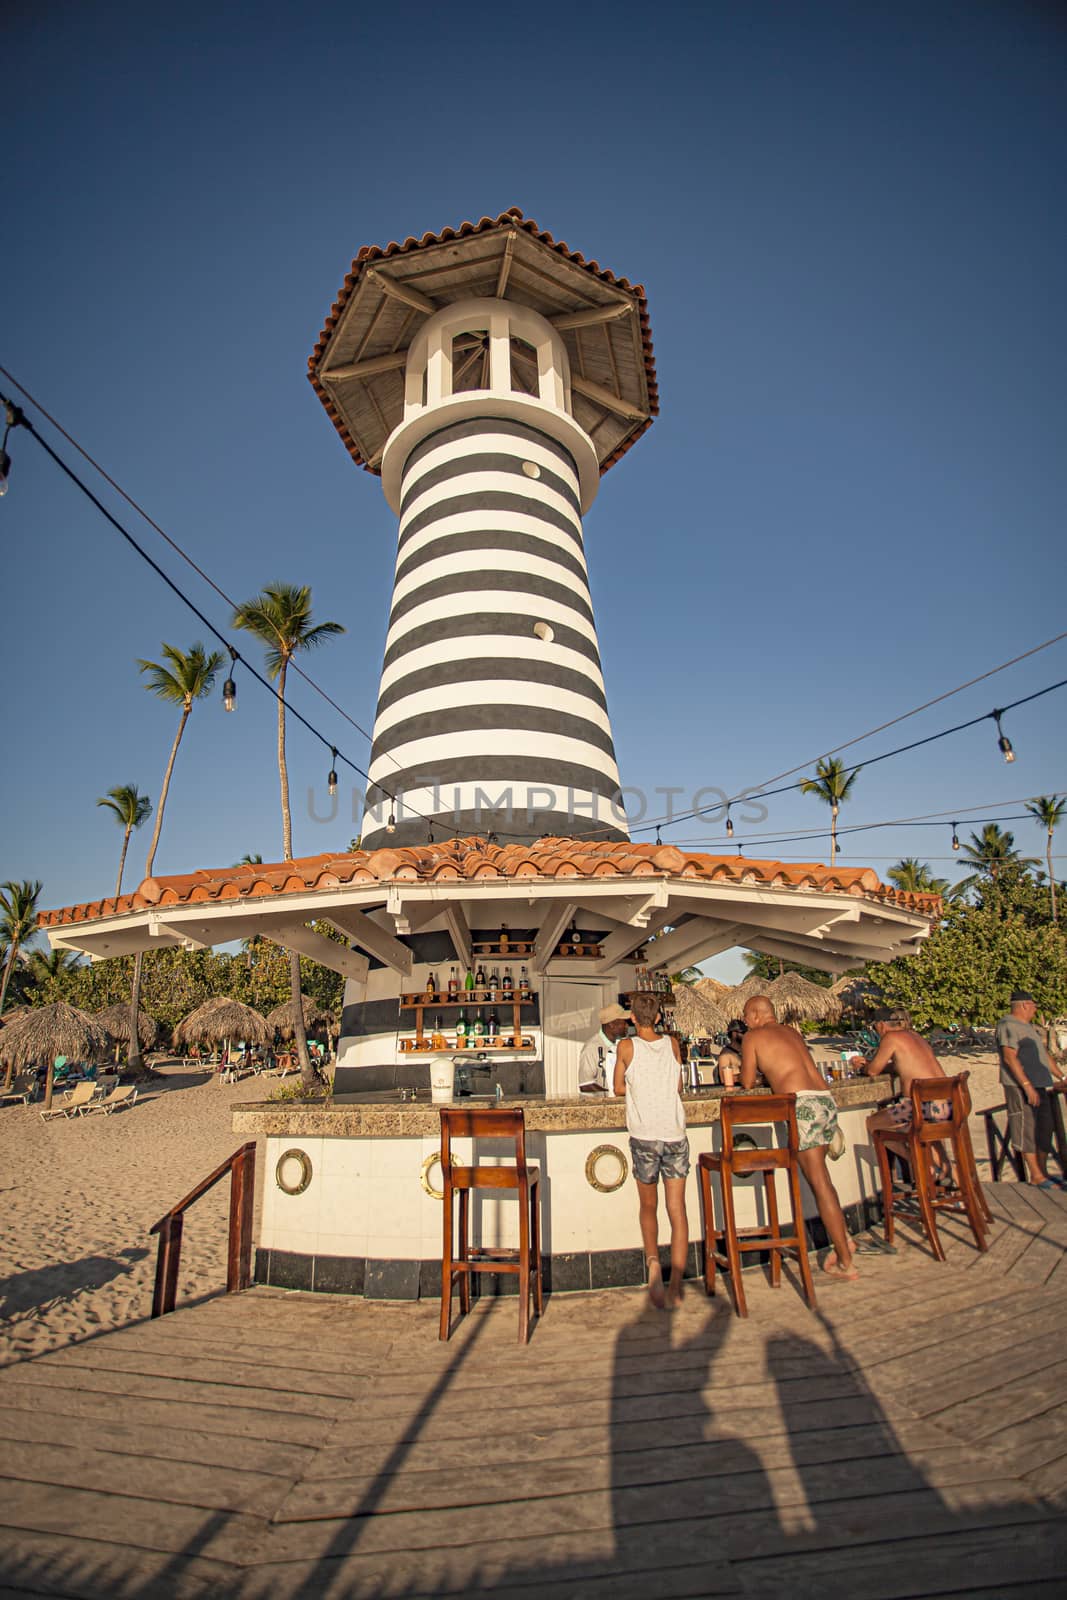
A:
(525, 1028)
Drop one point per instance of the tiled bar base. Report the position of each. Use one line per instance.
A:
(580, 1271)
(351, 1192)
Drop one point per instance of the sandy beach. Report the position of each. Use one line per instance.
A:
(80, 1195)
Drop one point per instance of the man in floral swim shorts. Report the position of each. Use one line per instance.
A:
(786, 1063)
(906, 1053)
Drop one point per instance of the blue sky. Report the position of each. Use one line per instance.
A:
(849, 221)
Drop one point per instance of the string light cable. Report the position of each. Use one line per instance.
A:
(229, 692)
(15, 417)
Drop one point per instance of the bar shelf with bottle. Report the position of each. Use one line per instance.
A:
(515, 1002)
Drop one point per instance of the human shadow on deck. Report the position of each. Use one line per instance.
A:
(724, 1458)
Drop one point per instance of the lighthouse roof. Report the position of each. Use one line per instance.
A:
(357, 365)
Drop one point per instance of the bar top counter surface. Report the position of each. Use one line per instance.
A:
(382, 1114)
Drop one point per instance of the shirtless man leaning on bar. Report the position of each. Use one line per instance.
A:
(906, 1053)
(785, 1061)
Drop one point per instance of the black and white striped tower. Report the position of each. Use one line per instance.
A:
(490, 418)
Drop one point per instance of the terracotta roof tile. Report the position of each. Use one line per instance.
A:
(459, 859)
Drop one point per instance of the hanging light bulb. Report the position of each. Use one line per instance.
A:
(390, 826)
(429, 839)
(1004, 744)
(955, 836)
(14, 419)
(658, 839)
(729, 824)
(331, 781)
(229, 688)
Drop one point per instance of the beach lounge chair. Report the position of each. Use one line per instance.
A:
(124, 1095)
(21, 1089)
(73, 1103)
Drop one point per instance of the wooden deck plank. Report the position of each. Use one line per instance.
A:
(80, 1467)
(1031, 1348)
(237, 1422)
(1015, 1401)
(1020, 1445)
(43, 1378)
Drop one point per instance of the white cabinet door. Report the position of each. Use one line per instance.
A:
(569, 1018)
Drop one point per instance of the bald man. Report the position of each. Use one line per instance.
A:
(785, 1062)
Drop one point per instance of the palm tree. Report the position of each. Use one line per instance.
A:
(49, 968)
(130, 811)
(250, 861)
(280, 618)
(180, 679)
(915, 877)
(833, 785)
(18, 924)
(987, 853)
(1047, 810)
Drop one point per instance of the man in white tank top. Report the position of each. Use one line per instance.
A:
(648, 1069)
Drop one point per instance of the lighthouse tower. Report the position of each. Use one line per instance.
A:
(489, 375)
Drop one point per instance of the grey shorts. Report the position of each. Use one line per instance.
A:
(657, 1158)
(1029, 1127)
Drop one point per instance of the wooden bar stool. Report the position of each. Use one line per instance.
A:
(913, 1145)
(734, 1161)
(460, 1262)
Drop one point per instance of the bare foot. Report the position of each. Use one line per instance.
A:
(655, 1283)
(834, 1268)
(675, 1291)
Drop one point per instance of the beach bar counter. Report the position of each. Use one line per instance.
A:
(352, 1191)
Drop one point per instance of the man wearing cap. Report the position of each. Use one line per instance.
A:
(596, 1065)
(1026, 1071)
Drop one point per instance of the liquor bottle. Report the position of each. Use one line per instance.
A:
(437, 1041)
(575, 938)
(494, 1024)
(461, 1024)
(524, 986)
(494, 984)
(509, 982)
(503, 940)
(453, 983)
(468, 982)
(479, 979)
(431, 983)
(479, 1025)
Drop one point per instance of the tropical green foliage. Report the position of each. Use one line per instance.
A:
(1001, 939)
(130, 809)
(769, 967)
(174, 982)
(1047, 811)
(18, 923)
(833, 785)
(915, 877)
(988, 853)
(280, 618)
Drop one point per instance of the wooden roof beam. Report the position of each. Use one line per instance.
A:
(591, 315)
(505, 265)
(401, 291)
(292, 933)
(558, 917)
(368, 368)
(604, 397)
(364, 931)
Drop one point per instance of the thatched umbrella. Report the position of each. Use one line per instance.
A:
(695, 1014)
(711, 989)
(221, 1019)
(116, 1019)
(858, 996)
(44, 1032)
(797, 999)
(280, 1020)
(734, 1000)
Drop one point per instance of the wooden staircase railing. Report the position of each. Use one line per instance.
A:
(242, 1169)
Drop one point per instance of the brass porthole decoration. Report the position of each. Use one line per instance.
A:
(607, 1153)
(293, 1172)
(427, 1167)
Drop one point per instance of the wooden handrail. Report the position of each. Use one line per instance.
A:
(242, 1169)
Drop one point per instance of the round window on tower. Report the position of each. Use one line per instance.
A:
(531, 469)
(544, 632)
